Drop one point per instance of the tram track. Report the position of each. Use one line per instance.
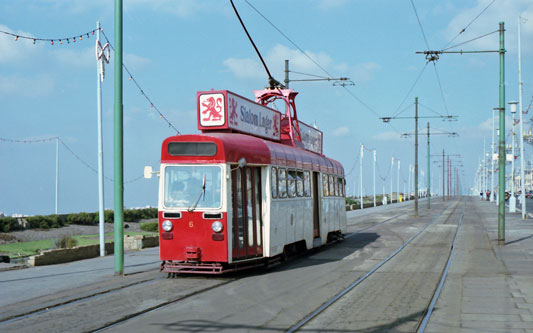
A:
(152, 281)
(313, 315)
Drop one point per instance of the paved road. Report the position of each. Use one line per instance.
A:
(489, 287)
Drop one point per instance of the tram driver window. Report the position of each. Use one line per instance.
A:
(291, 181)
(282, 183)
(274, 182)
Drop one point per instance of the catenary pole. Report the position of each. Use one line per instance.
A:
(391, 168)
(443, 178)
(429, 174)
(522, 162)
(416, 156)
(57, 172)
(99, 79)
(374, 172)
(501, 155)
(398, 183)
(118, 147)
(492, 170)
(361, 174)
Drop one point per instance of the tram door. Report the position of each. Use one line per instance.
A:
(316, 205)
(247, 221)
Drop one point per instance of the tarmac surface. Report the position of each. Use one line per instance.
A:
(489, 287)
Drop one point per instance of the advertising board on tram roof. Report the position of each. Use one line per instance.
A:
(221, 110)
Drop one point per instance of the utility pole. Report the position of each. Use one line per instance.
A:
(398, 183)
(443, 168)
(374, 173)
(501, 157)
(416, 156)
(101, 59)
(522, 166)
(361, 174)
(429, 173)
(492, 163)
(512, 199)
(57, 172)
(118, 147)
(434, 56)
(287, 73)
(391, 168)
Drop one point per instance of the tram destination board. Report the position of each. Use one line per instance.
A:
(223, 110)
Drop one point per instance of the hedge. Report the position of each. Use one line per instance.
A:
(8, 224)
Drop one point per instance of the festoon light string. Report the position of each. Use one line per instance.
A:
(16, 37)
(81, 160)
(73, 39)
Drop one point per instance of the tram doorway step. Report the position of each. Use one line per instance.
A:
(317, 242)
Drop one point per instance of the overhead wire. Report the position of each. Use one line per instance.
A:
(468, 25)
(131, 78)
(410, 89)
(471, 40)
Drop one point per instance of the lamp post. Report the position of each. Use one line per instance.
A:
(512, 200)
(492, 161)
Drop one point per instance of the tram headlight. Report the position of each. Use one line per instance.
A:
(217, 226)
(166, 225)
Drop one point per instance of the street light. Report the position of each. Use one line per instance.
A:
(512, 200)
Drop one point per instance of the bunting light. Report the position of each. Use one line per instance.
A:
(16, 37)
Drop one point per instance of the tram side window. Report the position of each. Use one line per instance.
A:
(307, 184)
(337, 190)
(274, 182)
(291, 181)
(282, 183)
(325, 187)
(331, 186)
(300, 183)
(341, 186)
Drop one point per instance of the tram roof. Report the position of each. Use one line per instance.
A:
(233, 146)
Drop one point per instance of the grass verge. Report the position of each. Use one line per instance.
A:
(25, 249)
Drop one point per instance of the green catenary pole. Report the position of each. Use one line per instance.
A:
(118, 144)
(501, 154)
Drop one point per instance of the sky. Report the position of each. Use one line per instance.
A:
(175, 48)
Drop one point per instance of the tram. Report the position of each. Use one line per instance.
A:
(251, 187)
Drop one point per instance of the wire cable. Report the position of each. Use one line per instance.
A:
(410, 90)
(468, 25)
(420, 25)
(471, 40)
(131, 78)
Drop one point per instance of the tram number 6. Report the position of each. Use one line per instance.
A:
(191, 224)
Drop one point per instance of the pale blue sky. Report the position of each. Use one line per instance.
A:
(175, 48)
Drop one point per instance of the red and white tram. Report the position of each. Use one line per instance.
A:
(252, 186)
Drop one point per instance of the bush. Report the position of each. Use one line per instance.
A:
(81, 218)
(8, 224)
(109, 216)
(150, 226)
(66, 242)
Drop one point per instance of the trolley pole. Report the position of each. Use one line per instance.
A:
(416, 156)
(501, 155)
(118, 147)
